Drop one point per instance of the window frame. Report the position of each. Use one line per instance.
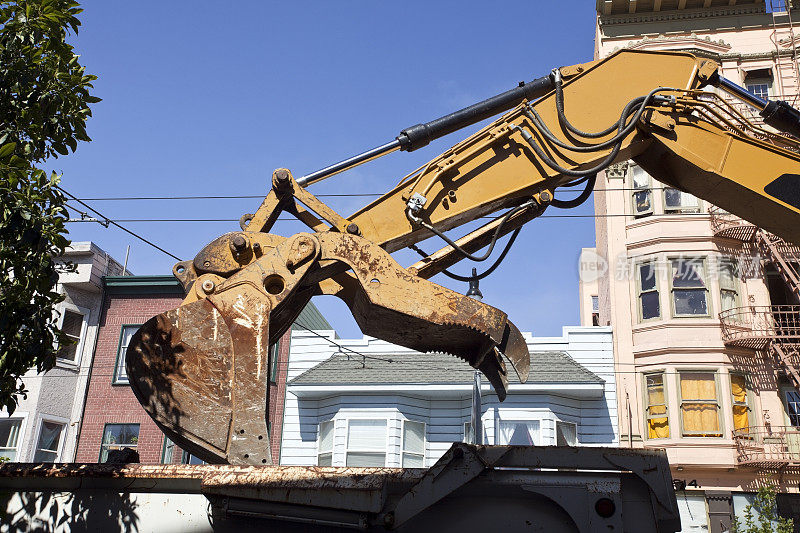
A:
(676, 211)
(119, 362)
(80, 345)
(23, 420)
(736, 283)
(347, 449)
(103, 435)
(186, 459)
(634, 190)
(704, 274)
(759, 81)
(274, 355)
(567, 422)
(653, 262)
(718, 401)
(164, 449)
(40, 420)
(332, 422)
(646, 399)
(520, 418)
(403, 451)
(748, 399)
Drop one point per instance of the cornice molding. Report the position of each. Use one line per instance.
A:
(683, 14)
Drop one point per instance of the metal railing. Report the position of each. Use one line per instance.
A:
(768, 446)
(755, 326)
(725, 224)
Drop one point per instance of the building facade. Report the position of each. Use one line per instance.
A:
(697, 298)
(367, 402)
(45, 425)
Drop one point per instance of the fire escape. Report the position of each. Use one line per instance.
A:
(771, 330)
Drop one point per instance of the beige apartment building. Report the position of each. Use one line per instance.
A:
(704, 306)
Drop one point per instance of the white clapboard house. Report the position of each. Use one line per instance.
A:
(367, 402)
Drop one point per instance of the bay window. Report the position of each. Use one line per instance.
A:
(656, 406)
(325, 446)
(699, 404)
(649, 306)
(689, 292)
(413, 444)
(366, 443)
(518, 433)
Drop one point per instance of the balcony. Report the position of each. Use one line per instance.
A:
(756, 326)
(729, 226)
(768, 447)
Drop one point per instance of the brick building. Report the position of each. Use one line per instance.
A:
(113, 417)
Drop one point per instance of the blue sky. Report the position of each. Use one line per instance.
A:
(203, 98)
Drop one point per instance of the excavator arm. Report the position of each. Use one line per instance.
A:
(201, 370)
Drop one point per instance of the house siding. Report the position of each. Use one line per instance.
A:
(444, 417)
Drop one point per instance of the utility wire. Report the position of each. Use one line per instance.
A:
(115, 223)
(338, 195)
(609, 215)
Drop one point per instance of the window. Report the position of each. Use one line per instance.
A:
(49, 442)
(741, 411)
(656, 409)
(649, 306)
(189, 459)
(689, 288)
(677, 201)
(699, 405)
(759, 88)
(72, 326)
(728, 286)
(643, 195)
(168, 451)
(566, 433)
(792, 408)
(413, 444)
(9, 437)
(117, 437)
(595, 311)
(120, 372)
(518, 433)
(325, 446)
(274, 352)
(366, 443)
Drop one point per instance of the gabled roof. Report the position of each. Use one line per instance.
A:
(546, 367)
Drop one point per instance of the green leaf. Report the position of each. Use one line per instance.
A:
(7, 149)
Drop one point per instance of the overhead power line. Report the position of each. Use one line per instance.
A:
(577, 215)
(115, 223)
(331, 195)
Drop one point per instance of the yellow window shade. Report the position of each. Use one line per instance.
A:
(697, 386)
(700, 419)
(658, 428)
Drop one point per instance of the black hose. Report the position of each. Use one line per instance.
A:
(486, 272)
(495, 236)
(557, 82)
(578, 200)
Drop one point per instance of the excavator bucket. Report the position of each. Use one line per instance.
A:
(201, 370)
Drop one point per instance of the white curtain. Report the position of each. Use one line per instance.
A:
(519, 433)
(413, 437)
(366, 435)
(326, 436)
